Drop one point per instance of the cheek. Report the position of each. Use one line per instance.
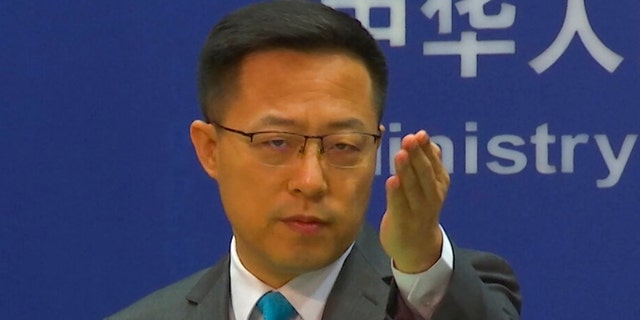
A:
(354, 191)
(247, 205)
(239, 173)
(245, 189)
(353, 196)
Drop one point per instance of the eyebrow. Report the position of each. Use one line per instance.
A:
(342, 124)
(349, 123)
(272, 120)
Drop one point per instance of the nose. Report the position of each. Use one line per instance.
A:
(308, 175)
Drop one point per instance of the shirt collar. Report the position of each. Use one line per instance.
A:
(307, 293)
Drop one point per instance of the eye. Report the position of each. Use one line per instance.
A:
(276, 143)
(346, 143)
(344, 147)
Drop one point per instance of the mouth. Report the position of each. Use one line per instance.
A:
(305, 225)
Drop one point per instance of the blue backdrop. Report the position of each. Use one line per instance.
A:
(534, 103)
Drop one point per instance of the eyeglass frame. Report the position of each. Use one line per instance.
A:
(376, 137)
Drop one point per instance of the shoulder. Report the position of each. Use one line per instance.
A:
(167, 303)
(482, 260)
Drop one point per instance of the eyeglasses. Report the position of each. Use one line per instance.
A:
(280, 148)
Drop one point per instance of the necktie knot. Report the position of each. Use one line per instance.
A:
(274, 306)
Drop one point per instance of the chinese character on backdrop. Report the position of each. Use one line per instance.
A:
(396, 29)
(577, 23)
(468, 47)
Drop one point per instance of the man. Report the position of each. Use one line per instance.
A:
(293, 94)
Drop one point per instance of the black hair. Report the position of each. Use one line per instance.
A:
(291, 24)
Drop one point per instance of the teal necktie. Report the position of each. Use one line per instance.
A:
(274, 306)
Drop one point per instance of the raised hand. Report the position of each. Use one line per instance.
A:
(409, 231)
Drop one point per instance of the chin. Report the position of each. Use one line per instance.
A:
(306, 262)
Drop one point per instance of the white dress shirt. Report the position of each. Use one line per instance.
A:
(308, 293)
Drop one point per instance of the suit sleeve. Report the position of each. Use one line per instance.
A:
(482, 286)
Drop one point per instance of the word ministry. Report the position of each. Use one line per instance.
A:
(509, 153)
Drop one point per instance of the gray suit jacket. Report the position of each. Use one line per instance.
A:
(482, 286)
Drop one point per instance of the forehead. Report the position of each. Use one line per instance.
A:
(304, 89)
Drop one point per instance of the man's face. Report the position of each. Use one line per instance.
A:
(293, 219)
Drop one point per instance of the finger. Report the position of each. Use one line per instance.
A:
(420, 160)
(431, 174)
(415, 174)
(440, 170)
(397, 202)
(434, 154)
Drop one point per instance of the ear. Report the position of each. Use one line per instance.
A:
(381, 129)
(205, 142)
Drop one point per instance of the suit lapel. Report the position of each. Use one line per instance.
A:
(209, 299)
(360, 291)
